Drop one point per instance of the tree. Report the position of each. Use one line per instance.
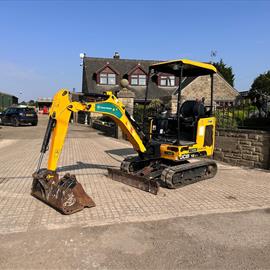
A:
(155, 105)
(225, 71)
(261, 85)
(259, 92)
(31, 102)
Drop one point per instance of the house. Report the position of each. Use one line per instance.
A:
(103, 74)
(44, 105)
(7, 100)
(224, 93)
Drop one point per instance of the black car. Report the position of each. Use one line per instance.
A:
(17, 116)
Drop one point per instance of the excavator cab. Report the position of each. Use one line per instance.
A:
(163, 150)
(171, 140)
(164, 127)
(187, 126)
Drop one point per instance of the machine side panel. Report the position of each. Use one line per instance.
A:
(204, 146)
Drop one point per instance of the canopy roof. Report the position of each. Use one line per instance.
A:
(190, 68)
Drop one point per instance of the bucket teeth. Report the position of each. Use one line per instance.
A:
(65, 194)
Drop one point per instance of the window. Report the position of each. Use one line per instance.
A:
(107, 75)
(107, 78)
(137, 76)
(7, 111)
(167, 81)
(138, 80)
(26, 110)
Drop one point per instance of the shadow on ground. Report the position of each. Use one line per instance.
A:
(121, 152)
(81, 165)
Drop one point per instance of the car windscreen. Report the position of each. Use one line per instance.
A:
(26, 110)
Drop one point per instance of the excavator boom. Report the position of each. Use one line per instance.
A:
(66, 194)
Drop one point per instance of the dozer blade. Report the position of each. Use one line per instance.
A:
(65, 195)
(133, 180)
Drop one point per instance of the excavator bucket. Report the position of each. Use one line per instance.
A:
(136, 181)
(65, 194)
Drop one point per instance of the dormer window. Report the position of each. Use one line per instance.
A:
(107, 76)
(137, 76)
(166, 80)
(138, 80)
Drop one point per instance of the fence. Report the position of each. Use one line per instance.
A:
(244, 115)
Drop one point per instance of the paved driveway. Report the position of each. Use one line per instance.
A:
(88, 154)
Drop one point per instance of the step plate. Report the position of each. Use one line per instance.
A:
(139, 182)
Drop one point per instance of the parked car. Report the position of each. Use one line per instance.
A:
(17, 116)
(105, 121)
(106, 125)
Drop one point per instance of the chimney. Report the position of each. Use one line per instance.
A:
(116, 55)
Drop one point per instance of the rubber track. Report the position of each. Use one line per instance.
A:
(168, 173)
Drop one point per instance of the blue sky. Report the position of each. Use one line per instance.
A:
(40, 41)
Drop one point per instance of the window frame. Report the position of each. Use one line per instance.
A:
(105, 75)
(136, 74)
(165, 77)
(137, 78)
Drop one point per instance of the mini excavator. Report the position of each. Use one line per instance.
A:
(165, 150)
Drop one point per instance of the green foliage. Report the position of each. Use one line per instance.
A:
(31, 102)
(155, 105)
(226, 119)
(241, 115)
(225, 71)
(259, 93)
(152, 109)
(261, 85)
(138, 113)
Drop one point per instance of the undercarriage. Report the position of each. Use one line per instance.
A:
(150, 174)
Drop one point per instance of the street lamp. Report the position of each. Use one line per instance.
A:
(82, 56)
(20, 95)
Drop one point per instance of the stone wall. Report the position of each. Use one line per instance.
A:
(127, 98)
(249, 148)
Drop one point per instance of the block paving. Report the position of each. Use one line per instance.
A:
(87, 154)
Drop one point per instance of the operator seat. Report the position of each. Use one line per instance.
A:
(191, 110)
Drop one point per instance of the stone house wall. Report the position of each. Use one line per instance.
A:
(249, 148)
(201, 87)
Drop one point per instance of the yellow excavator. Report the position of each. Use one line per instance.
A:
(163, 149)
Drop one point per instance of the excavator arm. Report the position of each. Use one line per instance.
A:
(66, 194)
(106, 104)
